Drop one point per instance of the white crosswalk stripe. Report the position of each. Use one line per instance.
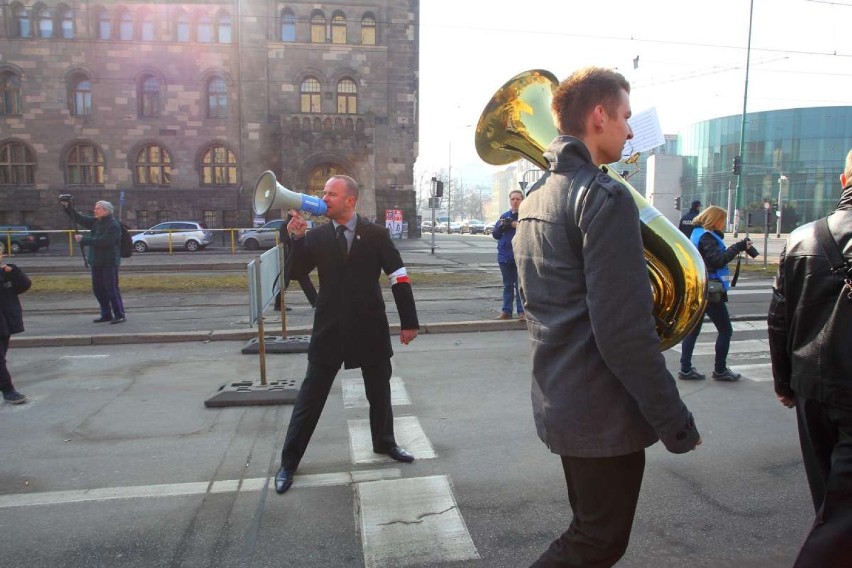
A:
(355, 397)
(409, 435)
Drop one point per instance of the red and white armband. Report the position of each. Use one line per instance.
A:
(399, 277)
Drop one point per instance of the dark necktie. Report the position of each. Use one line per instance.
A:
(341, 241)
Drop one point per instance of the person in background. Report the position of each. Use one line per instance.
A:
(104, 256)
(707, 237)
(504, 231)
(13, 282)
(809, 342)
(601, 392)
(686, 225)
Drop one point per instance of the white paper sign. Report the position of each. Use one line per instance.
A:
(647, 133)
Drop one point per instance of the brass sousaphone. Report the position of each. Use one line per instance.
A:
(517, 122)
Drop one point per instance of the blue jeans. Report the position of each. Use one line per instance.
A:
(718, 314)
(105, 287)
(509, 270)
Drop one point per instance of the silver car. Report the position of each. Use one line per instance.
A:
(261, 237)
(188, 235)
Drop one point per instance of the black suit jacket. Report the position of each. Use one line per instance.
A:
(350, 323)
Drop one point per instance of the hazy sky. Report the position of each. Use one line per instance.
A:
(692, 59)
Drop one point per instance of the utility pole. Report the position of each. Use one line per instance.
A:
(738, 192)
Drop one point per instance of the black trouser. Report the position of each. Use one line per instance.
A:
(105, 287)
(311, 400)
(5, 378)
(825, 433)
(603, 493)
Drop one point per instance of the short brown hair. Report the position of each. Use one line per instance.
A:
(577, 95)
(709, 218)
(351, 185)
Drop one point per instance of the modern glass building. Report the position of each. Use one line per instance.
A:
(797, 154)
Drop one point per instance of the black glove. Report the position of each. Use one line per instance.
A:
(742, 245)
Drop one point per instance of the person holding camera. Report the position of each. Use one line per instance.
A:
(104, 255)
(504, 231)
(707, 236)
(13, 282)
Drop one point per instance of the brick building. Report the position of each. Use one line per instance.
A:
(173, 110)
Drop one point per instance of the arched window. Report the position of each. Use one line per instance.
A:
(104, 25)
(153, 166)
(147, 27)
(149, 96)
(204, 30)
(81, 95)
(17, 164)
(217, 98)
(317, 27)
(125, 26)
(219, 167)
(66, 22)
(85, 165)
(310, 95)
(288, 25)
(347, 97)
(10, 94)
(182, 28)
(338, 28)
(45, 22)
(23, 24)
(368, 29)
(223, 34)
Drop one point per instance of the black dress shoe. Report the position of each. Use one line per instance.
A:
(283, 480)
(122, 319)
(102, 320)
(398, 454)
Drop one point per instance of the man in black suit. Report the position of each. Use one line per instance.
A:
(350, 323)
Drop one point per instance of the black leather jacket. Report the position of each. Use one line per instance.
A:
(809, 335)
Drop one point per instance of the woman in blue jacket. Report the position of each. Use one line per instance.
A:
(504, 231)
(707, 238)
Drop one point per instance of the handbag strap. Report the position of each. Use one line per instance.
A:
(737, 270)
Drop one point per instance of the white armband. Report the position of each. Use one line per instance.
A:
(399, 276)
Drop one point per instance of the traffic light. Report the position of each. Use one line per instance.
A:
(439, 189)
(737, 165)
(677, 202)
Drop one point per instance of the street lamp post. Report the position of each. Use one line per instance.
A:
(782, 180)
(738, 193)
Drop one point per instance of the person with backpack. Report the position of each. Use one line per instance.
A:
(809, 337)
(104, 256)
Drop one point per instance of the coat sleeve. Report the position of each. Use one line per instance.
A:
(620, 307)
(403, 294)
(714, 258)
(105, 239)
(85, 220)
(299, 258)
(20, 281)
(777, 324)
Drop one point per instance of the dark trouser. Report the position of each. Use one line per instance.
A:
(825, 433)
(307, 287)
(603, 493)
(509, 270)
(5, 378)
(718, 314)
(311, 400)
(105, 287)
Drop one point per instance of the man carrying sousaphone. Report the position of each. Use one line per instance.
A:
(601, 392)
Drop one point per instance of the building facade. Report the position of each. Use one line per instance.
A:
(797, 154)
(173, 110)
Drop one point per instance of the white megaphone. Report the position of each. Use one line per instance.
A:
(268, 193)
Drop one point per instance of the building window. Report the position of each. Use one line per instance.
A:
(45, 23)
(66, 21)
(310, 95)
(318, 27)
(104, 25)
(85, 165)
(125, 26)
(347, 97)
(204, 30)
(210, 218)
(149, 96)
(10, 94)
(147, 28)
(182, 28)
(17, 164)
(338, 28)
(224, 28)
(153, 166)
(368, 29)
(23, 24)
(288, 25)
(81, 95)
(142, 219)
(218, 167)
(217, 98)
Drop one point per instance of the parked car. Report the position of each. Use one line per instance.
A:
(23, 238)
(261, 237)
(189, 235)
(426, 227)
(489, 227)
(452, 228)
(473, 226)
